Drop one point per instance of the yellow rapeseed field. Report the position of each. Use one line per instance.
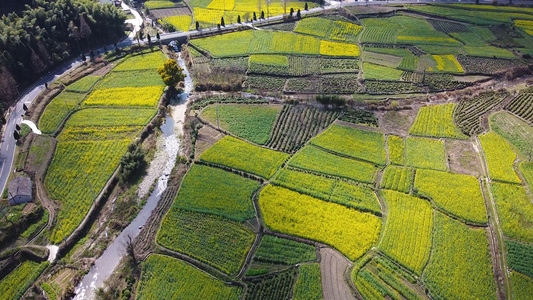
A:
(126, 96)
(338, 49)
(350, 231)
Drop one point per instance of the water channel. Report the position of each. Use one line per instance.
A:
(171, 129)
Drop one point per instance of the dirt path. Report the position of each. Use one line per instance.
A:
(333, 267)
(499, 263)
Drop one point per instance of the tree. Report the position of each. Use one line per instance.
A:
(129, 246)
(139, 36)
(158, 37)
(16, 135)
(91, 54)
(292, 12)
(255, 16)
(239, 19)
(298, 14)
(197, 25)
(131, 163)
(149, 39)
(171, 73)
(306, 7)
(222, 22)
(262, 15)
(74, 33)
(85, 30)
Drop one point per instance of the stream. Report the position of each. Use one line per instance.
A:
(172, 129)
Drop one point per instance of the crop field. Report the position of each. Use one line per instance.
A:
(66, 179)
(341, 139)
(333, 190)
(243, 156)
(522, 286)
(457, 194)
(275, 250)
(522, 105)
(182, 23)
(396, 149)
(520, 257)
(308, 286)
(152, 61)
(397, 179)
(268, 64)
(448, 63)
(15, 284)
(296, 124)
(500, 158)
(134, 78)
(277, 286)
(380, 278)
(472, 15)
(57, 110)
(329, 29)
(250, 122)
(408, 229)
(436, 121)
(485, 65)
(192, 234)
(126, 96)
(339, 49)
(214, 191)
(514, 210)
(527, 171)
(110, 117)
(373, 71)
(155, 4)
(265, 83)
(457, 248)
(350, 231)
(83, 85)
(180, 281)
(469, 110)
(515, 130)
(315, 160)
(425, 153)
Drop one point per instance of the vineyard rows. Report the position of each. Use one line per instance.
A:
(520, 257)
(469, 111)
(522, 105)
(277, 286)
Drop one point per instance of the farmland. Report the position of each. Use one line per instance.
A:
(520, 257)
(251, 122)
(18, 281)
(500, 157)
(515, 211)
(408, 229)
(243, 156)
(456, 248)
(350, 231)
(425, 153)
(436, 121)
(397, 179)
(458, 194)
(181, 281)
(308, 285)
(274, 250)
(128, 96)
(58, 110)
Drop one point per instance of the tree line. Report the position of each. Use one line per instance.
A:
(48, 33)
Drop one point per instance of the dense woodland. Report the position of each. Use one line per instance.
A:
(47, 33)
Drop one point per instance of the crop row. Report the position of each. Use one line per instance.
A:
(164, 277)
(359, 116)
(500, 157)
(275, 250)
(469, 111)
(520, 257)
(425, 153)
(333, 190)
(436, 121)
(15, 284)
(522, 105)
(308, 286)
(486, 65)
(296, 124)
(397, 179)
(192, 234)
(58, 109)
(277, 286)
(350, 231)
(514, 210)
(396, 150)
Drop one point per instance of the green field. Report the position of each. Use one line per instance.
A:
(373, 71)
(313, 159)
(397, 179)
(15, 284)
(334, 190)
(436, 121)
(350, 231)
(152, 61)
(218, 192)
(193, 234)
(110, 117)
(57, 110)
(522, 286)
(425, 153)
(365, 145)
(275, 250)
(457, 194)
(164, 277)
(520, 257)
(243, 156)
(457, 248)
(407, 232)
(515, 211)
(396, 149)
(500, 158)
(329, 29)
(181, 23)
(250, 122)
(83, 85)
(308, 286)
(134, 78)
(515, 130)
(155, 4)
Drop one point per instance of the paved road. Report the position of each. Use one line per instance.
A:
(7, 144)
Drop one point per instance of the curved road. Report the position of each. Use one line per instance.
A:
(7, 144)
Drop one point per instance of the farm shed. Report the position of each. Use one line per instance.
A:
(19, 191)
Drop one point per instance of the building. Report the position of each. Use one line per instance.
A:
(19, 191)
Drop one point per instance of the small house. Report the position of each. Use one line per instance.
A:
(19, 191)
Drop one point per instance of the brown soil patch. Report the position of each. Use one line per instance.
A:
(28, 208)
(168, 12)
(396, 122)
(357, 126)
(39, 156)
(207, 136)
(333, 267)
(462, 157)
(104, 70)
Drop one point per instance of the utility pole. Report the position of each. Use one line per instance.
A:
(90, 187)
